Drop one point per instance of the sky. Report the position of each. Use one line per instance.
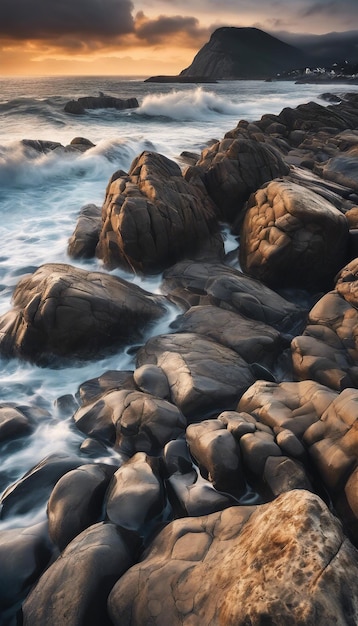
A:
(144, 37)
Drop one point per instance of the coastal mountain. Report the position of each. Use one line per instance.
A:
(233, 53)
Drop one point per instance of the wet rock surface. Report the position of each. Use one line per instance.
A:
(152, 217)
(63, 311)
(215, 479)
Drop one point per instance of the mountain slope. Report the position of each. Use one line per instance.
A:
(244, 53)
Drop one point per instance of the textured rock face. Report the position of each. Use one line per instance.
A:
(328, 350)
(243, 53)
(193, 284)
(292, 237)
(232, 169)
(152, 217)
(132, 420)
(244, 565)
(63, 311)
(203, 375)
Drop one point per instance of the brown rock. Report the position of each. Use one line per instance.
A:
(233, 168)
(283, 562)
(292, 237)
(63, 311)
(152, 217)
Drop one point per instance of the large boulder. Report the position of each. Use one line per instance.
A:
(234, 168)
(74, 590)
(291, 237)
(152, 217)
(279, 563)
(203, 375)
(63, 311)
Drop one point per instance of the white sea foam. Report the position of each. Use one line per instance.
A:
(195, 104)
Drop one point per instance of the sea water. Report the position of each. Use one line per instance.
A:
(42, 194)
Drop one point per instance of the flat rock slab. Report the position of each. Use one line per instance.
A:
(191, 284)
(245, 565)
(65, 312)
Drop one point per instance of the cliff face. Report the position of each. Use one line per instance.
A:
(244, 53)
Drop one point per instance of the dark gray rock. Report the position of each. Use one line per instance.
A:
(132, 420)
(76, 502)
(24, 554)
(79, 107)
(34, 488)
(83, 242)
(74, 590)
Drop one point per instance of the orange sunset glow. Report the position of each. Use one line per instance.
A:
(139, 38)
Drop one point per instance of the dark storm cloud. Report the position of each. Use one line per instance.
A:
(164, 27)
(42, 19)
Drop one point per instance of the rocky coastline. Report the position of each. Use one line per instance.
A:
(227, 486)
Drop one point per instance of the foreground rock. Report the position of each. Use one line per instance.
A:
(79, 107)
(152, 217)
(74, 590)
(245, 565)
(292, 237)
(62, 311)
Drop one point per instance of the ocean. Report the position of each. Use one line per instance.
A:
(41, 196)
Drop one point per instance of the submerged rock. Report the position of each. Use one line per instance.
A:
(78, 107)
